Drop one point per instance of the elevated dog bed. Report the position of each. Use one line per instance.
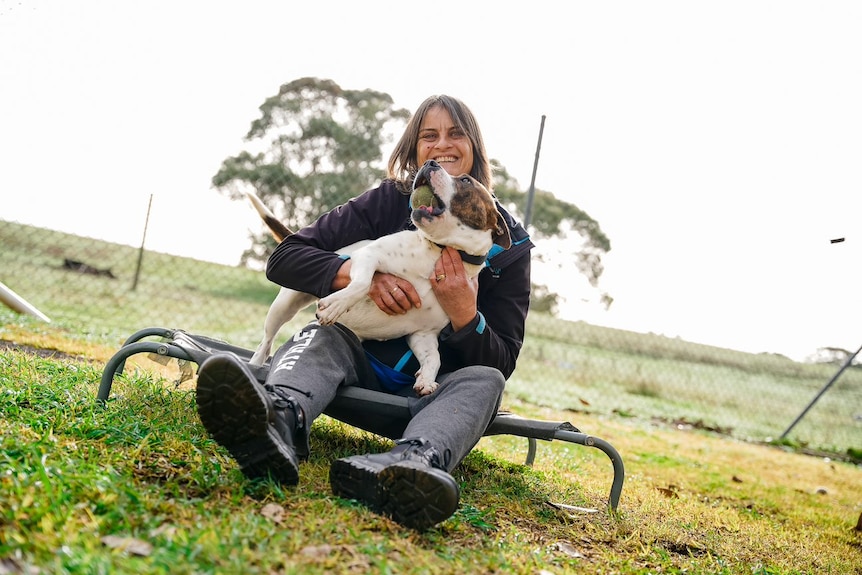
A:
(380, 413)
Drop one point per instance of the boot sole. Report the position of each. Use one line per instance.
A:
(351, 479)
(415, 495)
(233, 409)
(412, 494)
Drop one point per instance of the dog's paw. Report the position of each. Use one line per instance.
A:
(329, 310)
(321, 315)
(423, 388)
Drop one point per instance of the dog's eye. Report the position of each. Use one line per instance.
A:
(466, 180)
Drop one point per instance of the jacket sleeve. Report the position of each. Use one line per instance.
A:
(307, 260)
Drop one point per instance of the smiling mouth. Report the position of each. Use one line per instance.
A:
(447, 159)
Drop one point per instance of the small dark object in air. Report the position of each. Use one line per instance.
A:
(836, 241)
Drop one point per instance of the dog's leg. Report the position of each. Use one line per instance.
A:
(362, 268)
(286, 305)
(425, 348)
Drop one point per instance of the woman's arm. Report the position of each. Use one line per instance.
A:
(306, 261)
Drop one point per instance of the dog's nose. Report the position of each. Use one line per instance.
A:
(427, 168)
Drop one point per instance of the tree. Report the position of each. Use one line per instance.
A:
(316, 145)
(313, 147)
(554, 218)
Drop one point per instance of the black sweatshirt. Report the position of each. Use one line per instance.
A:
(307, 262)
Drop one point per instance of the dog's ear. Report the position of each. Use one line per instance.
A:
(501, 234)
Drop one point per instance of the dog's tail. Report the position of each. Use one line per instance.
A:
(278, 230)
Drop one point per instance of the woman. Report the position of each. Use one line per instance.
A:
(265, 427)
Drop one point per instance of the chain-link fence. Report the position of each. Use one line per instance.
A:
(110, 291)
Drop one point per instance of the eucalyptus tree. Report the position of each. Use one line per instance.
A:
(314, 146)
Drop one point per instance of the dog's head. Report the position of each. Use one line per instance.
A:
(456, 211)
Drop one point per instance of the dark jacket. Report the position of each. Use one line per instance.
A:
(306, 261)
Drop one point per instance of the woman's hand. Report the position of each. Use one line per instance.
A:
(454, 290)
(393, 295)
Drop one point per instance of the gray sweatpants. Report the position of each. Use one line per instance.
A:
(318, 359)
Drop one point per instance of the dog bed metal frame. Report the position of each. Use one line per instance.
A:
(379, 413)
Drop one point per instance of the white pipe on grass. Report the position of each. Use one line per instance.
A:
(19, 304)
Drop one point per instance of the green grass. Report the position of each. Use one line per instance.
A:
(137, 486)
(750, 396)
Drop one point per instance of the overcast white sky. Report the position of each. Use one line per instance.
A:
(718, 144)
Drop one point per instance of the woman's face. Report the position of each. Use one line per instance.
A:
(442, 141)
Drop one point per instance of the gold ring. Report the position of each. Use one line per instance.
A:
(441, 277)
(393, 290)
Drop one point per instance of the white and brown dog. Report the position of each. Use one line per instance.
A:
(447, 211)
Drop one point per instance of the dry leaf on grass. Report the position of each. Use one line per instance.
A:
(357, 563)
(317, 551)
(668, 492)
(274, 512)
(128, 544)
(10, 566)
(568, 549)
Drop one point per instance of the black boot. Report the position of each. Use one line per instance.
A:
(258, 424)
(408, 484)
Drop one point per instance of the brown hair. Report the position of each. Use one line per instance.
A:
(403, 162)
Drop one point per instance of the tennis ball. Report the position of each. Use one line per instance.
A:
(422, 196)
